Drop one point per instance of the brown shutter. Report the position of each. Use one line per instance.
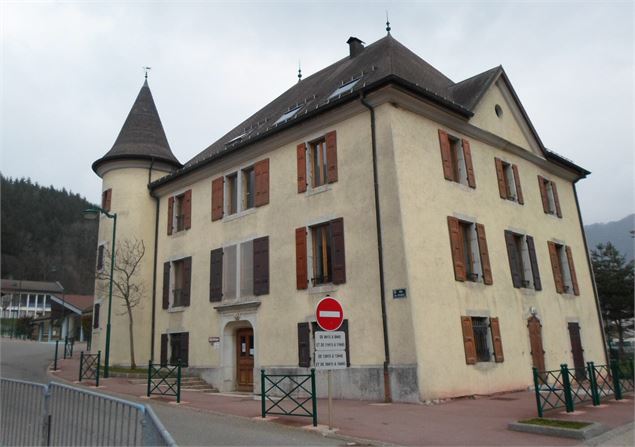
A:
(216, 275)
(543, 194)
(170, 214)
(187, 280)
(555, 266)
(96, 316)
(468, 340)
(467, 153)
(446, 155)
(338, 257)
(500, 176)
(261, 265)
(262, 182)
(456, 244)
(555, 199)
(519, 190)
(106, 198)
(164, 349)
(166, 285)
(331, 157)
(301, 167)
(496, 339)
(304, 345)
(103, 199)
(533, 260)
(512, 254)
(300, 259)
(574, 278)
(482, 246)
(184, 339)
(217, 198)
(187, 209)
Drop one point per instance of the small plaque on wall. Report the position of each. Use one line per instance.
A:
(398, 293)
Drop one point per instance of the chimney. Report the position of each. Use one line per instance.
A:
(355, 46)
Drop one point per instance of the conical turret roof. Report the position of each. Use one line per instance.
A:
(142, 136)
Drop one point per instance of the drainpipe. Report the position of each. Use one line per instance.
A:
(154, 263)
(380, 254)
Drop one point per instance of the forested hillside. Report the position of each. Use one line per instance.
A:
(618, 233)
(44, 236)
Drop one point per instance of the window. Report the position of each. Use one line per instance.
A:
(321, 240)
(325, 261)
(179, 284)
(481, 338)
(177, 276)
(287, 115)
(244, 189)
(180, 212)
(469, 251)
(549, 195)
(563, 268)
(317, 162)
(232, 194)
(249, 187)
(456, 157)
(100, 257)
(508, 181)
(96, 316)
(345, 88)
(523, 263)
(318, 170)
(106, 198)
(175, 348)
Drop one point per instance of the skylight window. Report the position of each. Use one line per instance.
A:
(287, 115)
(344, 89)
(236, 139)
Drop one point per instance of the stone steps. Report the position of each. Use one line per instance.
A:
(187, 384)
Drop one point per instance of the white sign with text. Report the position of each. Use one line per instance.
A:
(330, 360)
(330, 341)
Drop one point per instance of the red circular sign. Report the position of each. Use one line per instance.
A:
(329, 314)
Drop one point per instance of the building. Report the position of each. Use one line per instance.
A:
(430, 208)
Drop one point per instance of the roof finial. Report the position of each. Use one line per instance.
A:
(145, 69)
(299, 71)
(387, 23)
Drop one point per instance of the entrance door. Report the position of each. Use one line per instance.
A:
(245, 359)
(535, 341)
(577, 351)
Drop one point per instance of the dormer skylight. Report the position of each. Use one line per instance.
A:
(287, 115)
(237, 139)
(344, 89)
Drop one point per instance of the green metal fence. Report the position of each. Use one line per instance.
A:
(89, 366)
(288, 395)
(164, 380)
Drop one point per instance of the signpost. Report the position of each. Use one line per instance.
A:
(330, 344)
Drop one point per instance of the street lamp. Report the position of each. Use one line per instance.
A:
(92, 214)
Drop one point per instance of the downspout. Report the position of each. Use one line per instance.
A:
(380, 254)
(154, 263)
(590, 265)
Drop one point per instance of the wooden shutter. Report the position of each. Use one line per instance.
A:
(446, 155)
(533, 260)
(103, 199)
(216, 275)
(184, 348)
(482, 246)
(187, 209)
(467, 153)
(456, 244)
(555, 266)
(106, 198)
(338, 257)
(166, 285)
(535, 342)
(496, 339)
(574, 278)
(164, 349)
(554, 189)
(331, 157)
(261, 170)
(187, 280)
(500, 176)
(468, 340)
(217, 198)
(96, 316)
(301, 167)
(512, 254)
(543, 194)
(519, 190)
(261, 265)
(304, 345)
(301, 273)
(170, 214)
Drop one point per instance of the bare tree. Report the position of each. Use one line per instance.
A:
(127, 285)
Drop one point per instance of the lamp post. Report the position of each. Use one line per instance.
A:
(91, 214)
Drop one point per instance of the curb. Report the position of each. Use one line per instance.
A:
(593, 430)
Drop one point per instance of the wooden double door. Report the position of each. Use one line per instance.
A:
(245, 359)
(535, 342)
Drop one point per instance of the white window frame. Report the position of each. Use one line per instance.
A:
(241, 209)
(472, 245)
(456, 146)
(510, 180)
(567, 281)
(550, 197)
(239, 270)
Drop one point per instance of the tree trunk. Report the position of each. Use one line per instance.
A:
(133, 364)
(620, 333)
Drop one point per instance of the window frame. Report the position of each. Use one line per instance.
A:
(459, 163)
(565, 268)
(471, 252)
(324, 228)
(239, 270)
(101, 257)
(484, 337)
(238, 180)
(317, 153)
(176, 265)
(178, 213)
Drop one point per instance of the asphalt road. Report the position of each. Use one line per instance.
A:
(27, 360)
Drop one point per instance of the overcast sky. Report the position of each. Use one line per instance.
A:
(70, 72)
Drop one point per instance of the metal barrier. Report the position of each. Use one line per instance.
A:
(625, 372)
(549, 387)
(68, 348)
(162, 380)
(278, 389)
(62, 415)
(89, 366)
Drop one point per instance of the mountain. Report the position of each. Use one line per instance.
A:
(618, 233)
(44, 237)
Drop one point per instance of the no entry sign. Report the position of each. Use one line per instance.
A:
(329, 314)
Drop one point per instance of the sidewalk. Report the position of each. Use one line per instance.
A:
(480, 421)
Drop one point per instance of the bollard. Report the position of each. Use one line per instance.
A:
(98, 363)
(178, 381)
(57, 342)
(568, 398)
(149, 376)
(263, 407)
(314, 397)
(537, 391)
(81, 364)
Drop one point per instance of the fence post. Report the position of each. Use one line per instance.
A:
(178, 381)
(81, 361)
(313, 397)
(568, 398)
(263, 407)
(98, 363)
(615, 370)
(537, 391)
(595, 394)
(65, 344)
(149, 375)
(57, 342)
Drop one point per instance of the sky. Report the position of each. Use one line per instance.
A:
(71, 71)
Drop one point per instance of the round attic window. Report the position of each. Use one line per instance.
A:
(499, 111)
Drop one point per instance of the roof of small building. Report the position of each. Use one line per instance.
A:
(18, 285)
(142, 135)
(82, 302)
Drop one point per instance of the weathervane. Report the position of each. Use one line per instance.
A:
(145, 69)
(299, 71)
(387, 23)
